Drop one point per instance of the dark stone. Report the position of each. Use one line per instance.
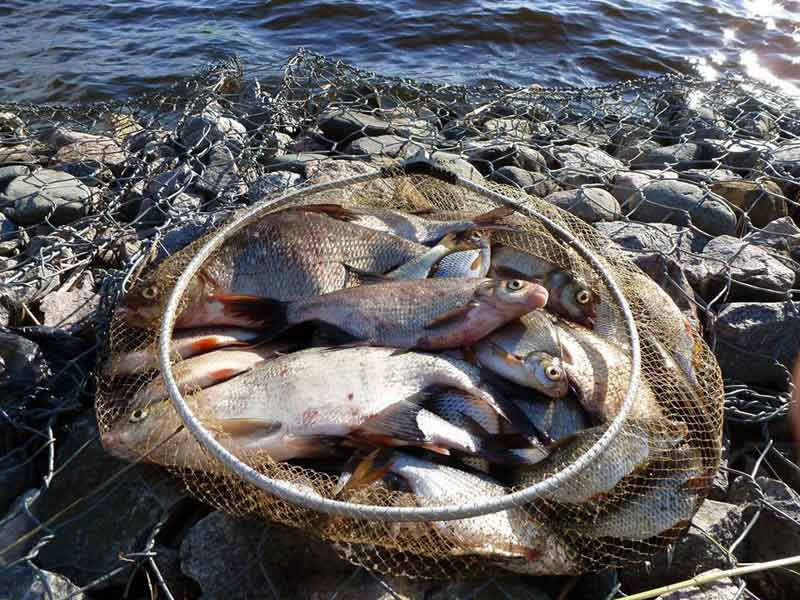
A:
(271, 184)
(221, 177)
(391, 146)
(709, 175)
(589, 204)
(27, 582)
(678, 157)
(200, 132)
(55, 195)
(580, 165)
(740, 155)
(14, 525)
(488, 156)
(781, 235)
(654, 237)
(349, 125)
(532, 182)
(752, 337)
(296, 163)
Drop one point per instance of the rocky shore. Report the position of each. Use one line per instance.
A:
(703, 196)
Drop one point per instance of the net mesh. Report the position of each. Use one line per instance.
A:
(231, 136)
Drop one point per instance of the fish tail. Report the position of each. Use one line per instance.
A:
(262, 312)
(503, 448)
(398, 425)
(494, 215)
(362, 471)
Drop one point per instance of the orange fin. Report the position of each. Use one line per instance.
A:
(450, 316)
(260, 311)
(373, 467)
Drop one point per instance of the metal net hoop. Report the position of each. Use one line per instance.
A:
(304, 498)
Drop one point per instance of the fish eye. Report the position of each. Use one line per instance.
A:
(150, 292)
(140, 414)
(552, 372)
(476, 236)
(515, 285)
(583, 297)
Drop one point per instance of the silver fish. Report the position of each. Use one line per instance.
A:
(420, 229)
(526, 351)
(467, 263)
(569, 295)
(452, 244)
(557, 420)
(426, 313)
(508, 537)
(306, 403)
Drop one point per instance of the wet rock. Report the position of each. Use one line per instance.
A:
(709, 175)
(221, 176)
(290, 563)
(678, 157)
(754, 272)
(71, 310)
(57, 196)
(21, 366)
(676, 202)
(627, 183)
(349, 125)
(781, 235)
(533, 183)
(589, 204)
(722, 589)
(202, 131)
(694, 553)
(455, 164)
(488, 156)
(297, 163)
(10, 172)
(763, 202)
(14, 525)
(26, 582)
(578, 165)
(271, 184)
(758, 342)
(391, 146)
(94, 537)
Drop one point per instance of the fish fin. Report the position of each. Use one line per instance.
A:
(397, 425)
(365, 277)
(498, 448)
(335, 211)
(371, 468)
(449, 317)
(262, 311)
(469, 355)
(496, 214)
(245, 428)
(506, 356)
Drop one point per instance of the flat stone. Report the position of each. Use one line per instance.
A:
(488, 156)
(70, 310)
(693, 553)
(199, 132)
(271, 184)
(99, 149)
(534, 183)
(627, 183)
(55, 195)
(709, 175)
(753, 336)
(349, 125)
(762, 202)
(27, 582)
(391, 146)
(455, 164)
(755, 273)
(297, 163)
(589, 204)
(781, 235)
(672, 201)
(579, 165)
(678, 157)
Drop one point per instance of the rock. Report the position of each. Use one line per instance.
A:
(455, 164)
(722, 589)
(331, 170)
(720, 484)
(191, 228)
(740, 155)
(754, 272)
(17, 154)
(293, 564)
(786, 157)
(709, 175)
(11, 126)
(71, 310)
(627, 183)
(169, 184)
(221, 176)
(271, 185)
(673, 201)
(349, 125)
(694, 553)
(662, 238)
(515, 129)
(117, 246)
(533, 183)
(7, 228)
(22, 367)
(758, 124)
(297, 163)
(57, 196)
(667, 272)
(752, 337)
(94, 537)
(99, 149)
(392, 146)
(209, 128)
(578, 165)
(488, 156)
(589, 204)
(636, 150)
(678, 157)
(15, 524)
(781, 235)
(589, 133)
(137, 142)
(26, 582)
(763, 202)
(10, 172)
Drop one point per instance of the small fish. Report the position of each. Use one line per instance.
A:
(290, 254)
(527, 352)
(185, 343)
(570, 297)
(200, 372)
(452, 244)
(309, 403)
(420, 229)
(507, 536)
(467, 263)
(636, 445)
(427, 314)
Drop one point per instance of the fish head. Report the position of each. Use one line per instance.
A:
(144, 305)
(547, 374)
(571, 297)
(472, 239)
(132, 436)
(516, 294)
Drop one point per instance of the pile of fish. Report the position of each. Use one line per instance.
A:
(413, 352)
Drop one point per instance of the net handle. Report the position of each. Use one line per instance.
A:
(307, 499)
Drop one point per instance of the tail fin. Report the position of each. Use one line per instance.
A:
(256, 311)
(361, 471)
(505, 448)
(494, 215)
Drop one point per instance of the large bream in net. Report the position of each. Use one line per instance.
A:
(605, 499)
